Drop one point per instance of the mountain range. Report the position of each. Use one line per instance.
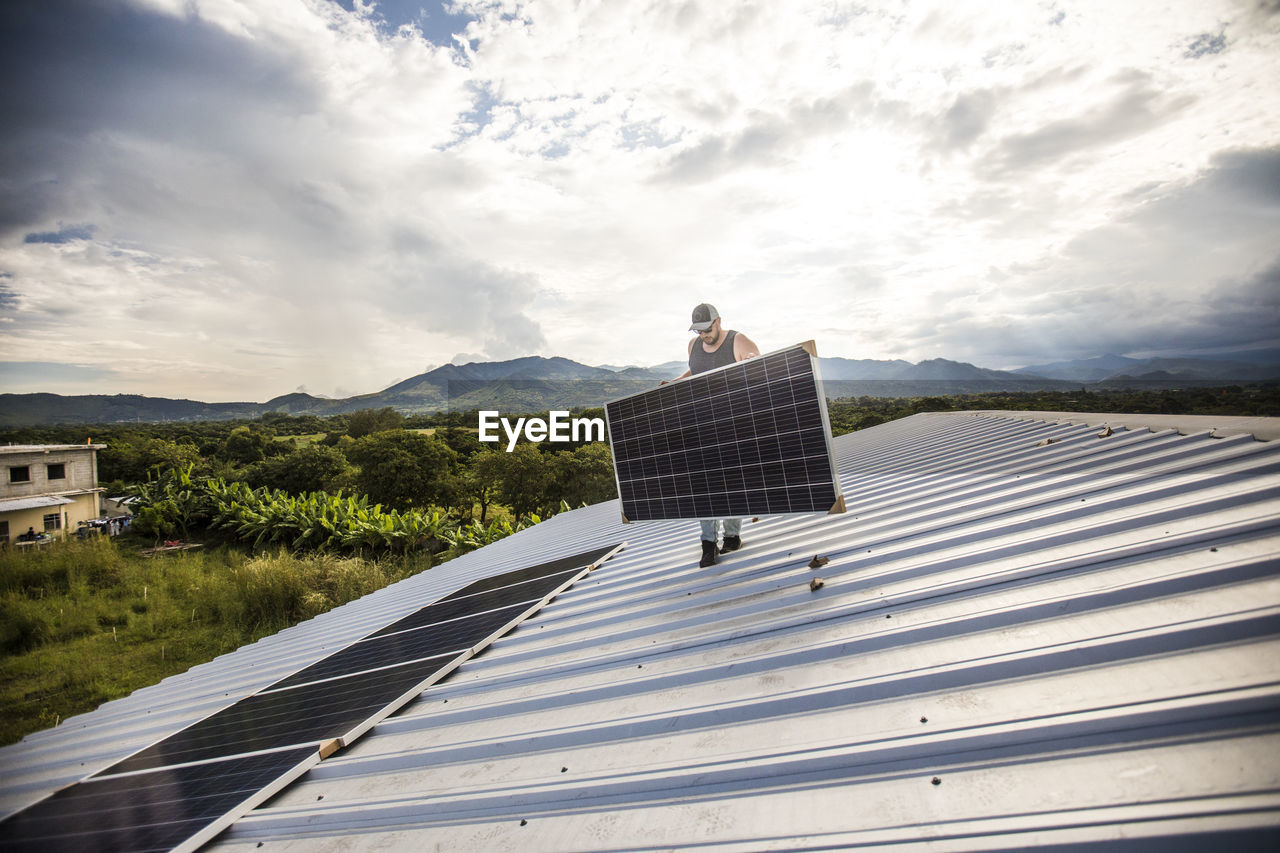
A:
(535, 383)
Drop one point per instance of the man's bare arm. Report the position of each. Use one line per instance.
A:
(744, 347)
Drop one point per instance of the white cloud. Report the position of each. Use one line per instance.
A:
(279, 194)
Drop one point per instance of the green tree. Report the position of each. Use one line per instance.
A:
(481, 481)
(403, 469)
(282, 423)
(583, 475)
(525, 477)
(176, 499)
(310, 468)
(248, 444)
(137, 458)
(368, 421)
(463, 441)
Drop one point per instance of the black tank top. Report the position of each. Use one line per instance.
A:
(700, 361)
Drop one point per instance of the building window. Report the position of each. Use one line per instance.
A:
(57, 471)
(19, 474)
(52, 521)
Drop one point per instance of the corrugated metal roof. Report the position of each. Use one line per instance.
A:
(1075, 636)
(15, 504)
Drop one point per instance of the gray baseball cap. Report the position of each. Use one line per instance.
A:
(703, 316)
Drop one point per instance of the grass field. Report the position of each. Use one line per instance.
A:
(300, 440)
(83, 622)
(313, 437)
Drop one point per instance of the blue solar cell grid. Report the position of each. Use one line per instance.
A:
(158, 810)
(747, 439)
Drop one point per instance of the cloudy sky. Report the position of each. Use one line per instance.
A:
(235, 199)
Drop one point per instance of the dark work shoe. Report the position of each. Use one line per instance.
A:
(731, 543)
(708, 554)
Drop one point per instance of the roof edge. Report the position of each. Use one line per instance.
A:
(1261, 428)
(47, 448)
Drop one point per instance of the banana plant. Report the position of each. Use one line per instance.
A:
(312, 520)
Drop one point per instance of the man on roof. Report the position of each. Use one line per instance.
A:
(715, 347)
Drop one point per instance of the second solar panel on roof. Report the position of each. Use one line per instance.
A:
(182, 790)
(750, 438)
(337, 694)
(164, 809)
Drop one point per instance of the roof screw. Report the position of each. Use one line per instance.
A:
(924, 719)
(936, 781)
(564, 769)
(524, 823)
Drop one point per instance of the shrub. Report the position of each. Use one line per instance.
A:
(94, 563)
(22, 626)
(281, 588)
(30, 571)
(75, 622)
(100, 561)
(153, 521)
(113, 619)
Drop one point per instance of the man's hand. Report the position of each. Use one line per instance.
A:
(684, 375)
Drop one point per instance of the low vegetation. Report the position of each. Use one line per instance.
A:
(84, 622)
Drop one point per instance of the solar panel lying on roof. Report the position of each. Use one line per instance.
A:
(750, 438)
(166, 809)
(180, 792)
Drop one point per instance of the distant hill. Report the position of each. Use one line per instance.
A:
(522, 384)
(1119, 371)
(1081, 370)
(862, 368)
(31, 409)
(535, 383)
(1206, 370)
(842, 377)
(1254, 356)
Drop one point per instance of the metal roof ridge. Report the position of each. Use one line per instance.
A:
(1218, 426)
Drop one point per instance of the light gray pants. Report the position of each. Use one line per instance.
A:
(732, 526)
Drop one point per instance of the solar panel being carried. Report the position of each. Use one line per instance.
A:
(183, 790)
(749, 438)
